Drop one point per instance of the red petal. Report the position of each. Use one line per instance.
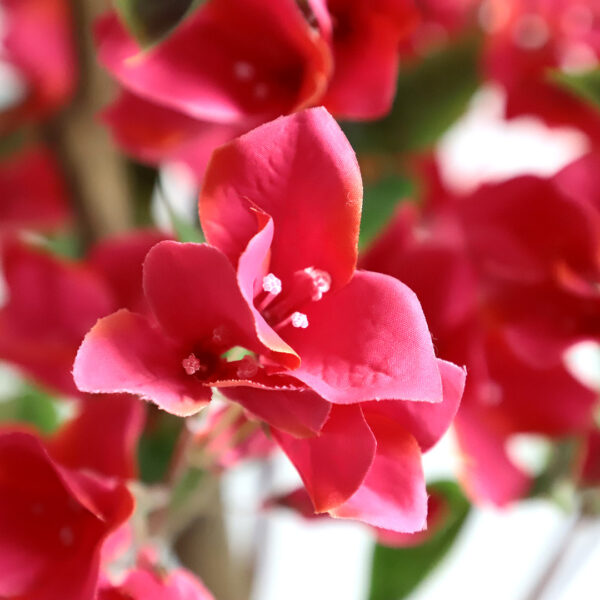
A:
(299, 413)
(334, 464)
(393, 494)
(103, 437)
(123, 353)
(426, 421)
(302, 172)
(193, 290)
(367, 341)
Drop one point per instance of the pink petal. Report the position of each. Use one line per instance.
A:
(298, 413)
(123, 353)
(192, 290)
(392, 495)
(303, 173)
(426, 421)
(334, 464)
(367, 341)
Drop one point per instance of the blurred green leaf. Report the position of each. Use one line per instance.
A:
(149, 21)
(185, 231)
(33, 406)
(586, 85)
(431, 95)
(380, 200)
(396, 572)
(157, 444)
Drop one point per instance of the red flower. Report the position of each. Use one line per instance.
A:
(53, 523)
(526, 41)
(282, 207)
(489, 269)
(233, 65)
(39, 44)
(32, 192)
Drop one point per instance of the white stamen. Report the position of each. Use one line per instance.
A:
(243, 70)
(247, 367)
(299, 320)
(219, 334)
(321, 280)
(191, 364)
(66, 536)
(271, 284)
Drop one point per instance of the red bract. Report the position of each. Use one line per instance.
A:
(39, 44)
(52, 302)
(53, 523)
(145, 583)
(282, 207)
(233, 65)
(526, 40)
(32, 192)
(489, 270)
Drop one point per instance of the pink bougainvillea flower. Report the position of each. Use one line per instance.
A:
(53, 523)
(217, 77)
(281, 283)
(147, 583)
(476, 262)
(526, 41)
(39, 44)
(33, 195)
(40, 332)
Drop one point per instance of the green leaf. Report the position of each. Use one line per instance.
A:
(150, 21)
(380, 201)
(185, 231)
(33, 406)
(431, 95)
(586, 85)
(396, 572)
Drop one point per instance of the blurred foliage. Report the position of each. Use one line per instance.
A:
(185, 231)
(157, 444)
(380, 201)
(65, 244)
(431, 95)
(586, 85)
(32, 406)
(396, 572)
(150, 21)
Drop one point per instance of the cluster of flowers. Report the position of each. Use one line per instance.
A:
(354, 372)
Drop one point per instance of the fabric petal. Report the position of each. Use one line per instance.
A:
(334, 464)
(303, 173)
(367, 341)
(123, 353)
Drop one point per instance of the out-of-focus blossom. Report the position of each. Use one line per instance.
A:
(525, 40)
(39, 44)
(32, 192)
(490, 271)
(146, 582)
(53, 522)
(53, 301)
(233, 65)
(282, 284)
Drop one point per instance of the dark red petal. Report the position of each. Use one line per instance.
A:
(300, 413)
(334, 464)
(426, 421)
(367, 341)
(123, 353)
(303, 173)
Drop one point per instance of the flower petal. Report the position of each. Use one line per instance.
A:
(302, 172)
(334, 464)
(367, 341)
(123, 353)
